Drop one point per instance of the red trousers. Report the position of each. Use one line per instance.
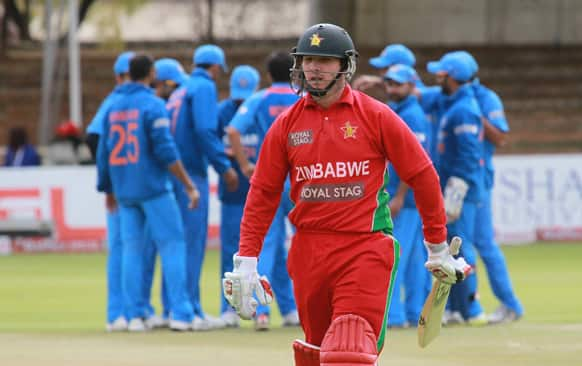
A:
(336, 274)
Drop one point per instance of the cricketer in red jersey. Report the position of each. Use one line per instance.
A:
(335, 143)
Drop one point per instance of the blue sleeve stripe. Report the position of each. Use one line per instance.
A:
(466, 128)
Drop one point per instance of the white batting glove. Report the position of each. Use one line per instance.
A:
(244, 281)
(442, 264)
(455, 192)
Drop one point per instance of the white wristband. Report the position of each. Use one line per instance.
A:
(245, 264)
(436, 248)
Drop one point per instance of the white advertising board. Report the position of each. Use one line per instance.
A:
(536, 197)
(65, 199)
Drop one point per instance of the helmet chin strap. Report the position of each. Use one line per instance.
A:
(320, 92)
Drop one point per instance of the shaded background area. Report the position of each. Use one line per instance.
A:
(529, 50)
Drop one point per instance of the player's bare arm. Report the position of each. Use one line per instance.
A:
(238, 151)
(110, 202)
(366, 82)
(493, 134)
(177, 169)
(230, 179)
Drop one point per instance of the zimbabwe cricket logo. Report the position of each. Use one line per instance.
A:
(316, 40)
(349, 130)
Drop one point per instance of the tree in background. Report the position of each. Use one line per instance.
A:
(16, 16)
(107, 17)
(15, 19)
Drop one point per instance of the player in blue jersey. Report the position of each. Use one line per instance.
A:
(259, 112)
(244, 81)
(194, 115)
(432, 103)
(495, 128)
(460, 169)
(116, 317)
(134, 158)
(393, 54)
(169, 76)
(400, 82)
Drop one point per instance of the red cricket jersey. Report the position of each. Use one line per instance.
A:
(337, 161)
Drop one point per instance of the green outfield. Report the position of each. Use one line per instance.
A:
(52, 313)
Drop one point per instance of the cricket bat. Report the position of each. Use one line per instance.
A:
(429, 323)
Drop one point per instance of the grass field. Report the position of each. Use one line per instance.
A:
(52, 313)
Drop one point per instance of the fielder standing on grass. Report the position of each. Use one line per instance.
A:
(459, 151)
(495, 128)
(400, 82)
(335, 142)
(258, 113)
(244, 81)
(194, 111)
(116, 312)
(134, 158)
(169, 77)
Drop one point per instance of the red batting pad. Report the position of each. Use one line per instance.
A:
(349, 341)
(305, 354)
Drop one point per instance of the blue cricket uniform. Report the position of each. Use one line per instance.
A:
(408, 230)
(432, 103)
(492, 109)
(459, 150)
(151, 252)
(250, 141)
(260, 111)
(115, 307)
(134, 153)
(150, 255)
(194, 119)
(492, 256)
(232, 203)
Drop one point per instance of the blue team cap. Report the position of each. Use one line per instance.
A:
(121, 65)
(394, 54)
(401, 74)
(470, 60)
(243, 81)
(170, 69)
(454, 64)
(210, 54)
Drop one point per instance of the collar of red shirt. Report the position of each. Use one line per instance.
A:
(346, 98)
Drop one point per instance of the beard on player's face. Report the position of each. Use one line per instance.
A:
(445, 83)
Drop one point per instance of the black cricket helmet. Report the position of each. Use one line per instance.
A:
(325, 40)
